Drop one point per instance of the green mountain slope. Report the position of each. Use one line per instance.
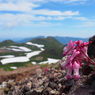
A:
(53, 48)
(49, 42)
(7, 43)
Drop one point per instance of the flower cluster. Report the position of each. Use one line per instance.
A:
(75, 52)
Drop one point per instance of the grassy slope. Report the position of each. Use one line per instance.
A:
(10, 42)
(7, 43)
(53, 49)
(49, 42)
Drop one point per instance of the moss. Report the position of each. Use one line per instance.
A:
(6, 90)
(27, 64)
(43, 65)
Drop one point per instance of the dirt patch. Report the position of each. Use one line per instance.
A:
(39, 58)
(18, 74)
(4, 50)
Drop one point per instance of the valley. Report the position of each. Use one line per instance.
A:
(36, 51)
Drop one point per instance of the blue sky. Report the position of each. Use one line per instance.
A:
(30, 18)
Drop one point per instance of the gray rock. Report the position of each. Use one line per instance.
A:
(48, 89)
(52, 92)
(81, 88)
(40, 89)
(1, 92)
(38, 72)
(18, 92)
(15, 91)
(32, 93)
(10, 93)
(29, 85)
(26, 89)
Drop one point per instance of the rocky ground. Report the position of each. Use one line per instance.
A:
(17, 74)
(52, 82)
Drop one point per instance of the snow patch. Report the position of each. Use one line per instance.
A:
(29, 55)
(50, 60)
(38, 45)
(8, 56)
(14, 46)
(21, 58)
(17, 48)
(13, 67)
(33, 63)
(25, 49)
(15, 59)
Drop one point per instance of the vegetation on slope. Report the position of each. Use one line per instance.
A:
(7, 43)
(49, 42)
(53, 49)
(49, 53)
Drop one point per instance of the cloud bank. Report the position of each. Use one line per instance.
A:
(16, 13)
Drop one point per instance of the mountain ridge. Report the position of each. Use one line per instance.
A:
(49, 42)
(7, 42)
(66, 40)
(62, 40)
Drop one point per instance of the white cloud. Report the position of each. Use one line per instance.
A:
(28, 8)
(80, 18)
(27, 5)
(70, 1)
(43, 24)
(85, 24)
(10, 25)
(11, 21)
(23, 0)
(27, 14)
(20, 6)
(52, 12)
(47, 1)
(26, 18)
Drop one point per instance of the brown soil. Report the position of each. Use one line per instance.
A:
(39, 58)
(4, 50)
(18, 74)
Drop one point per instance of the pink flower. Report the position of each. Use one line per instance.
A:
(46, 70)
(61, 62)
(76, 67)
(66, 63)
(79, 43)
(71, 65)
(74, 54)
(84, 50)
(87, 43)
(68, 48)
(69, 71)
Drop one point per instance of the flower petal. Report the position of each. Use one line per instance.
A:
(66, 63)
(69, 71)
(74, 54)
(68, 48)
(76, 67)
(84, 50)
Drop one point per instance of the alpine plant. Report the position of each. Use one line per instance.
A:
(76, 52)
